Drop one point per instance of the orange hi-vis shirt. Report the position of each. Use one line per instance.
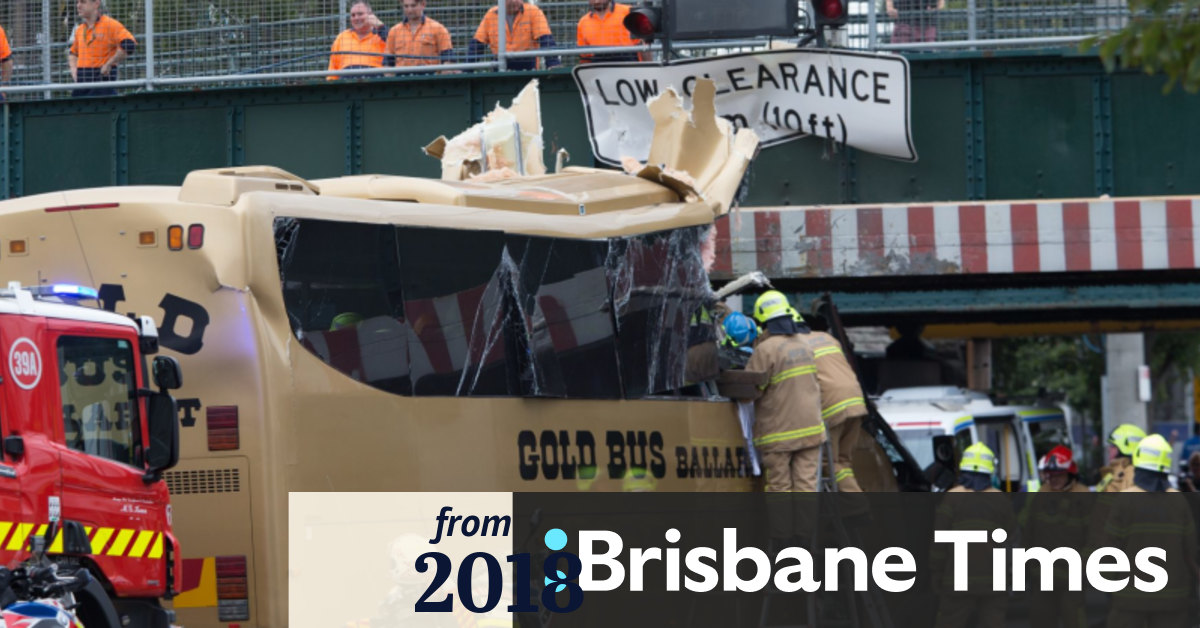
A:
(5, 51)
(350, 41)
(430, 40)
(529, 25)
(93, 46)
(604, 29)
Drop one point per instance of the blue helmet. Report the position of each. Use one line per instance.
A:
(740, 329)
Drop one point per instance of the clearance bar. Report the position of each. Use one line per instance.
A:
(1086, 235)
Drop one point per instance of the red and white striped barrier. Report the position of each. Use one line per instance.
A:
(952, 238)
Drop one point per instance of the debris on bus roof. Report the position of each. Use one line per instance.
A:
(696, 154)
(506, 144)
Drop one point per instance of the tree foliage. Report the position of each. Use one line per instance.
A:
(1070, 365)
(1162, 36)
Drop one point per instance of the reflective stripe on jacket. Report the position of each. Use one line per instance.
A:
(788, 415)
(841, 395)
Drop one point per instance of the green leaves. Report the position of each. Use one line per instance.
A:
(1161, 37)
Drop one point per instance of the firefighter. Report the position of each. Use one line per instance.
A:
(1138, 520)
(1057, 521)
(740, 331)
(1060, 473)
(788, 431)
(962, 512)
(842, 404)
(787, 426)
(1118, 476)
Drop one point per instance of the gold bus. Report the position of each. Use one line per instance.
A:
(388, 333)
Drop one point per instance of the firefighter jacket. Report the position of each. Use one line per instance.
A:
(787, 416)
(1118, 478)
(1058, 520)
(841, 395)
(1139, 519)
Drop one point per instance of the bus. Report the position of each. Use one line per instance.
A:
(381, 333)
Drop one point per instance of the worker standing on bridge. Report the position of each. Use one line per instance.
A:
(365, 35)
(604, 25)
(787, 426)
(842, 403)
(98, 45)
(419, 39)
(6, 62)
(527, 29)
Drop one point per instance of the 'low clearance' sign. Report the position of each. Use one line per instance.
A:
(852, 98)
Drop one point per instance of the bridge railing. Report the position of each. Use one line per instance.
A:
(190, 43)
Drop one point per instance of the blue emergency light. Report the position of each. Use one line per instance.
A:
(73, 291)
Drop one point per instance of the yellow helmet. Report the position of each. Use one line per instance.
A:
(978, 459)
(1153, 453)
(1126, 437)
(772, 304)
(795, 315)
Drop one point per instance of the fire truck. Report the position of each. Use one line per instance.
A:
(84, 441)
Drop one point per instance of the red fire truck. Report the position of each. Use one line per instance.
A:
(83, 444)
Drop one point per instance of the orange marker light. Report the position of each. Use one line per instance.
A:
(17, 247)
(175, 237)
(147, 238)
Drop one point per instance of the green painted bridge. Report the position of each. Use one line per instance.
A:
(986, 126)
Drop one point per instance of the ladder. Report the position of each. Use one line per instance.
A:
(829, 510)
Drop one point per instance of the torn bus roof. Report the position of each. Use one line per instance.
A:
(695, 155)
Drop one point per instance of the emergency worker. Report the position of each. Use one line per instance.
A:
(365, 35)
(842, 404)
(740, 331)
(787, 426)
(98, 45)
(961, 510)
(1118, 475)
(1059, 472)
(1057, 521)
(1138, 520)
(527, 29)
(604, 25)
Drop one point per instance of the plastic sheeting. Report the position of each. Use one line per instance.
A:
(445, 312)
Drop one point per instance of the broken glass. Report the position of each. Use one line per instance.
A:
(447, 312)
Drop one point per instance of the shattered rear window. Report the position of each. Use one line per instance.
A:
(444, 312)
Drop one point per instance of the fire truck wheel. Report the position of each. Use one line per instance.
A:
(96, 610)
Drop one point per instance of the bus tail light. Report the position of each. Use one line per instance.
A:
(195, 236)
(223, 432)
(175, 237)
(233, 589)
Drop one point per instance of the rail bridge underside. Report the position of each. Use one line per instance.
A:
(992, 269)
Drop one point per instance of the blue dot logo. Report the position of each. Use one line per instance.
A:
(561, 576)
(556, 539)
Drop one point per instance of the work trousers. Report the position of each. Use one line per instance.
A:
(789, 475)
(843, 438)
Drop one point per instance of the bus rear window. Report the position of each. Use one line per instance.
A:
(442, 312)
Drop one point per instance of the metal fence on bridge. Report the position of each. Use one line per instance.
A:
(189, 43)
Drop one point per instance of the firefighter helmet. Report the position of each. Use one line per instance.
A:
(1058, 460)
(740, 329)
(1153, 453)
(772, 304)
(978, 459)
(1126, 438)
(795, 315)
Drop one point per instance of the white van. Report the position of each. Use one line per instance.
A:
(1018, 435)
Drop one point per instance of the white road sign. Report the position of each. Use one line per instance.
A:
(857, 99)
